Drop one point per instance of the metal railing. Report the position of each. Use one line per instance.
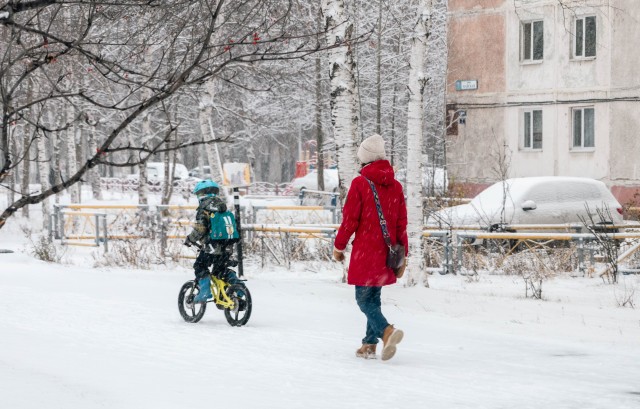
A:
(276, 227)
(532, 240)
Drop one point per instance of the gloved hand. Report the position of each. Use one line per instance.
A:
(338, 255)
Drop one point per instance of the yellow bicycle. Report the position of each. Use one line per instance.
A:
(234, 299)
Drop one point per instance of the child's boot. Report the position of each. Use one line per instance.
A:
(205, 290)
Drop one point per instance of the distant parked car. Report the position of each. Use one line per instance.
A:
(535, 200)
(310, 181)
(155, 172)
(204, 173)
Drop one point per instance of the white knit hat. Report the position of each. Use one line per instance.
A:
(372, 149)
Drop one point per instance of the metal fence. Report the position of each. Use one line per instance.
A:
(282, 233)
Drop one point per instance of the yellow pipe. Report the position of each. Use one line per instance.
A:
(87, 206)
(75, 243)
(289, 230)
(293, 208)
(82, 214)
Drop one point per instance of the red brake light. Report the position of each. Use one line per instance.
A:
(619, 209)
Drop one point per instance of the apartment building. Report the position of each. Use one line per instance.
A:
(544, 87)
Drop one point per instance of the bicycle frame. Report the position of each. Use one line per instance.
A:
(220, 296)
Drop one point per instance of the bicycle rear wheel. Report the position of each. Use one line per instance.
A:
(239, 315)
(190, 311)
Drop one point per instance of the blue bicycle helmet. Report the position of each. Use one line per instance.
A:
(206, 188)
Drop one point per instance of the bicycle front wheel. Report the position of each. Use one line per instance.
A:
(190, 311)
(239, 315)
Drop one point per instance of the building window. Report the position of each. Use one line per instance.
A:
(532, 129)
(532, 41)
(452, 118)
(585, 38)
(583, 127)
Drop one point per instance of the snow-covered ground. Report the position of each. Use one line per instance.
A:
(72, 336)
(77, 337)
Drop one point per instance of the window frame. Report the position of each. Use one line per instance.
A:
(530, 59)
(582, 147)
(530, 138)
(580, 39)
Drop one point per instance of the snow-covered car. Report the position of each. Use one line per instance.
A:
(535, 200)
(201, 173)
(155, 172)
(310, 181)
(435, 179)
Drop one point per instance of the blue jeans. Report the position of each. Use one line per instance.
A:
(368, 299)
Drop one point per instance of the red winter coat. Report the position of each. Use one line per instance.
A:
(360, 216)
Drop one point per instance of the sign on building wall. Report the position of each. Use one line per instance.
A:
(466, 85)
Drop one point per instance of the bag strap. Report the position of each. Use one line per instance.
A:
(383, 222)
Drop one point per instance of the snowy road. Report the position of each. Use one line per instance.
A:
(84, 338)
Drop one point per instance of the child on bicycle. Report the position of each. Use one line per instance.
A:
(212, 252)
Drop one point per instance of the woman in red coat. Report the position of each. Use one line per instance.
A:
(367, 269)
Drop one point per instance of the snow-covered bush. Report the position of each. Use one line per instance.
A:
(138, 253)
(625, 291)
(45, 249)
(534, 267)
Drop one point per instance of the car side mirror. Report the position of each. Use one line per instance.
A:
(529, 205)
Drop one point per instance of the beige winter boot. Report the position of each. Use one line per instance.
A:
(367, 351)
(390, 338)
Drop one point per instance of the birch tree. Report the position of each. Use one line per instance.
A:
(344, 109)
(205, 113)
(43, 163)
(93, 174)
(415, 148)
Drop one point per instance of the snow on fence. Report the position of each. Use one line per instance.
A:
(185, 187)
(288, 215)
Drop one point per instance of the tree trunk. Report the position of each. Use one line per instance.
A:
(94, 174)
(12, 152)
(143, 184)
(169, 172)
(44, 163)
(143, 180)
(71, 165)
(26, 166)
(344, 110)
(378, 73)
(319, 137)
(393, 109)
(80, 132)
(57, 170)
(206, 128)
(415, 157)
